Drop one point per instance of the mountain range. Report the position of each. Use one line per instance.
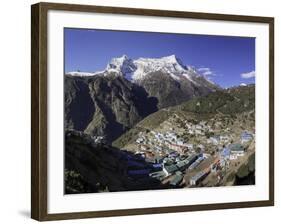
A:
(110, 102)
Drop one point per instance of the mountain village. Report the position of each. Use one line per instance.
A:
(191, 153)
(182, 129)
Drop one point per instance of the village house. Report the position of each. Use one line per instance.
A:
(225, 153)
(198, 132)
(233, 157)
(170, 169)
(159, 158)
(224, 138)
(144, 147)
(168, 160)
(215, 140)
(198, 177)
(99, 139)
(237, 149)
(196, 163)
(191, 131)
(140, 140)
(177, 179)
(160, 175)
(184, 164)
(246, 137)
(189, 146)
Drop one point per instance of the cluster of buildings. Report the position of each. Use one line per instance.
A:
(198, 129)
(181, 165)
(219, 139)
(161, 141)
(246, 137)
(231, 152)
(172, 157)
(175, 169)
(87, 139)
(98, 139)
(195, 180)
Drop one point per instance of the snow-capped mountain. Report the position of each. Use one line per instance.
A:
(167, 78)
(123, 65)
(243, 84)
(128, 90)
(83, 74)
(135, 70)
(138, 69)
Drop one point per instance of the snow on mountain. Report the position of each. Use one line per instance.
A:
(135, 70)
(170, 64)
(83, 74)
(124, 65)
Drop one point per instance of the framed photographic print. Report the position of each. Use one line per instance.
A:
(138, 111)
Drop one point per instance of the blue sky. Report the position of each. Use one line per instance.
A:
(225, 60)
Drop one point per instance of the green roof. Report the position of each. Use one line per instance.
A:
(236, 147)
(182, 163)
(176, 180)
(172, 168)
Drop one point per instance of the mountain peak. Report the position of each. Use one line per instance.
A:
(171, 58)
(118, 61)
(122, 58)
(174, 60)
(136, 70)
(122, 64)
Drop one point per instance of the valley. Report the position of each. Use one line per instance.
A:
(156, 124)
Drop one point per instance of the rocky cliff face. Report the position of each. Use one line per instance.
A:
(171, 92)
(78, 104)
(105, 105)
(119, 105)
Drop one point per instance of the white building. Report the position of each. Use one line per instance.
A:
(233, 157)
(139, 140)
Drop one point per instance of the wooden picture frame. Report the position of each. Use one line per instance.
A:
(39, 109)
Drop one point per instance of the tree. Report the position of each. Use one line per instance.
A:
(209, 134)
(198, 150)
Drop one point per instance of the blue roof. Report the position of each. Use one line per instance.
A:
(225, 152)
(246, 135)
(157, 165)
(171, 168)
(174, 153)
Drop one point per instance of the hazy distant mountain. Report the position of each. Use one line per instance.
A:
(110, 102)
